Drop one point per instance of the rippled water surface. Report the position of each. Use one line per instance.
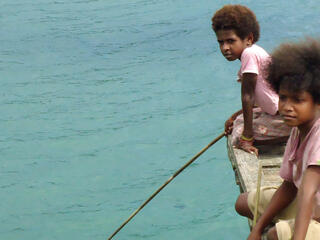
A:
(101, 101)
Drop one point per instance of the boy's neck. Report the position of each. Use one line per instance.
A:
(245, 49)
(304, 129)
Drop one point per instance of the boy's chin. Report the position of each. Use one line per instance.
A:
(230, 59)
(291, 123)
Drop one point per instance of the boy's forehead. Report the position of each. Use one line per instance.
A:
(292, 87)
(226, 33)
(292, 91)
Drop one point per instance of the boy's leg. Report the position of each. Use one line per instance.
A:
(246, 201)
(266, 194)
(242, 206)
(267, 129)
(285, 230)
(272, 234)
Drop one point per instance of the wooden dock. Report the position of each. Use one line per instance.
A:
(245, 166)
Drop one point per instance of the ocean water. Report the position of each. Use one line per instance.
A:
(102, 101)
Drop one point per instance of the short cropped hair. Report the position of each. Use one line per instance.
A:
(238, 18)
(296, 67)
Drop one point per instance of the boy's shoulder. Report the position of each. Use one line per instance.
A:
(311, 153)
(255, 50)
(312, 137)
(315, 131)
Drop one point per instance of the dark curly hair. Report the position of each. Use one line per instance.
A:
(238, 18)
(296, 67)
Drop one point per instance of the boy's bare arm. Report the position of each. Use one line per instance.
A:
(306, 199)
(248, 86)
(228, 125)
(284, 195)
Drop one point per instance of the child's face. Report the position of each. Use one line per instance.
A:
(297, 109)
(232, 46)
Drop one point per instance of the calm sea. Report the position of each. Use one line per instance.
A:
(102, 100)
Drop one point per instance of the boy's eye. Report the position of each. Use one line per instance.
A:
(298, 99)
(282, 97)
(230, 41)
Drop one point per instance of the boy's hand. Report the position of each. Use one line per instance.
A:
(248, 146)
(228, 126)
(254, 236)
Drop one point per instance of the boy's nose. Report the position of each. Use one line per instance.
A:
(286, 106)
(225, 47)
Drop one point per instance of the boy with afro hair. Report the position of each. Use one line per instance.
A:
(294, 206)
(237, 31)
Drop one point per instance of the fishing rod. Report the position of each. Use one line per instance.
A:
(167, 182)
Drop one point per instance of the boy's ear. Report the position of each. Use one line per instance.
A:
(250, 39)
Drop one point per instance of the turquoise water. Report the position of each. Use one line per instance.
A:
(101, 101)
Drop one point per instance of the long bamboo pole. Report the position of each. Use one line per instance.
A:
(167, 182)
(256, 205)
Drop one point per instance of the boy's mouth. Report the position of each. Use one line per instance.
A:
(288, 117)
(228, 56)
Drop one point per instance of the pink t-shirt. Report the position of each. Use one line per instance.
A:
(298, 157)
(253, 60)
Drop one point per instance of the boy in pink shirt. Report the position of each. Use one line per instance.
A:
(294, 207)
(253, 60)
(237, 31)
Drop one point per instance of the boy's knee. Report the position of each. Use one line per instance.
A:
(241, 205)
(272, 234)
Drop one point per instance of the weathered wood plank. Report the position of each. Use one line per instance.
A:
(245, 166)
